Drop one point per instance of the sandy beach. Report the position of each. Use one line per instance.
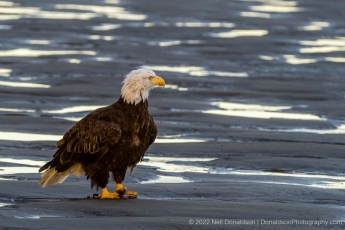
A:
(251, 124)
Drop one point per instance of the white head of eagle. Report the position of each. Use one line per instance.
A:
(138, 84)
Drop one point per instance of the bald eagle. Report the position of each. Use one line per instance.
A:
(109, 139)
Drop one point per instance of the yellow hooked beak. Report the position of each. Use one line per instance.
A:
(156, 80)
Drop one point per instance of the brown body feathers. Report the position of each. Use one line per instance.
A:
(109, 139)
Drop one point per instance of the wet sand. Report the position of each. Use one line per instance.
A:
(251, 123)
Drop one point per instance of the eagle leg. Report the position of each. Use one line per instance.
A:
(108, 195)
(122, 191)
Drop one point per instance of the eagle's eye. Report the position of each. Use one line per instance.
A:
(151, 77)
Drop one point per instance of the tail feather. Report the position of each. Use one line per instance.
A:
(45, 166)
(52, 176)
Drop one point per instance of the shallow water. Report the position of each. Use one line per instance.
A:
(338, 130)
(240, 33)
(37, 53)
(195, 71)
(19, 166)
(38, 216)
(23, 84)
(5, 204)
(258, 111)
(75, 109)
(177, 165)
(29, 137)
(5, 72)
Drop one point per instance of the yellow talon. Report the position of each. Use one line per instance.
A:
(131, 193)
(108, 195)
(121, 189)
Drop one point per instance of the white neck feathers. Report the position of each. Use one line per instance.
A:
(136, 87)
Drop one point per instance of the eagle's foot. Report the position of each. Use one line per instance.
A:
(124, 193)
(108, 195)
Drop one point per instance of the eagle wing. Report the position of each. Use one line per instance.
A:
(94, 135)
(153, 133)
(90, 139)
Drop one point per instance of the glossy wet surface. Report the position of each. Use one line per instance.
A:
(252, 116)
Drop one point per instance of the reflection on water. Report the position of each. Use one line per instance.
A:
(258, 111)
(104, 59)
(292, 59)
(75, 119)
(329, 185)
(7, 4)
(112, 1)
(13, 11)
(314, 26)
(22, 161)
(39, 42)
(27, 78)
(267, 58)
(166, 179)
(277, 174)
(35, 12)
(275, 6)
(249, 107)
(110, 11)
(4, 17)
(27, 166)
(23, 52)
(167, 43)
(17, 110)
(310, 180)
(316, 46)
(195, 71)
(74, 109)
(184, 164)
(29, 216)
(187, 24)
(176, 87)
(335, 59)
(19, 10)
(205, 24)
(339, 130)
(73, 61)
(255, 15)
(178, 69)
(276, 9)
(99, 37)
(177, 140)
(176, 164)
(321, 184)
(205, 73)
(106, 26)
(23, 84)
(17, 136)
(5, 204)
(174, 43)
(5, 72)
(274, 2)
(322, 49)
(339, 41)
(240, 33)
